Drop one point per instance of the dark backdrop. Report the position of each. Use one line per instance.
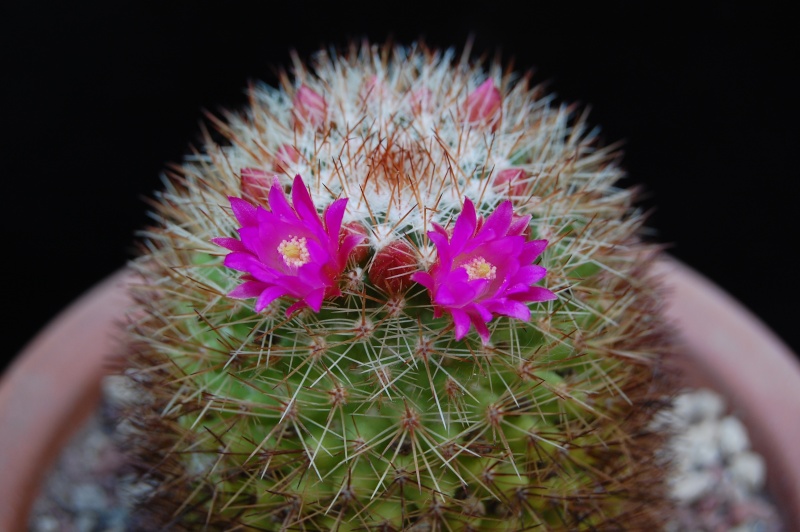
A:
(98, 98)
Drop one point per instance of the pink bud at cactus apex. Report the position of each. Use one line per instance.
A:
(373, 88)
(484, 105)
(309, 107)
(511, 180)
(392, 268)
(361, 251)
(285, 157)
(255, 183)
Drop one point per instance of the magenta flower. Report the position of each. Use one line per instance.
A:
(484, 270)
(288, 251)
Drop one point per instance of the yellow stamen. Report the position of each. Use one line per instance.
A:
(294, 251)
(480, 268)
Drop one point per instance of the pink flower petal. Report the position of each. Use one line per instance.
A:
(247, 290)
(537, 293)
(465, 226)
(303, 204)
(244, 212)
(533, 249)
(231, 244)
(480, 327)
(513, 309)
(530, 274)
(267, 296)
(333, 217)
(423, 278)
(442, 246)
(520, 226)
(278, 203)
(498, 223)
(461, 321)
(314, 299)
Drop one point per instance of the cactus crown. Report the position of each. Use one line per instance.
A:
(361, 394)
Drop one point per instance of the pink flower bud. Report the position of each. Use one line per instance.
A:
(392, 268)
(255, 183)
(360, 252)
(373, 88)
(285, 157)
(309, 107)
(511, 180)
(484, 105)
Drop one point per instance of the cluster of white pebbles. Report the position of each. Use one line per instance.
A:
(717, 479)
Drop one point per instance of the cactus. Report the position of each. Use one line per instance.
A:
(401, 291)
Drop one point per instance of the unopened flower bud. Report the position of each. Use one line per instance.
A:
(255, 183)
(373, 88)
(285, 157)
(392, 267)
(309, 107)
(511, 180)
(484, 105)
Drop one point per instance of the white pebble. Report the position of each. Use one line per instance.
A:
(691, 486)
(747, 469)
(45, 523)
(86, 522)
(132, 491)
(120, 391)
(89, 497)
(698, 406)
(699, 445)
(732, 436)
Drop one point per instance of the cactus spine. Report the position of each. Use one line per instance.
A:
(375, 412)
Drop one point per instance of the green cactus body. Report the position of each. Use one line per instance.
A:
(369, 414)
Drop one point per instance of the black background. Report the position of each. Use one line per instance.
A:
(98, 98)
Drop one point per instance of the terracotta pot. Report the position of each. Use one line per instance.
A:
(50, 389)
(54, 383)
(730, 350)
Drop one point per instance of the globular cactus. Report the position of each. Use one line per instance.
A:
(403, 292)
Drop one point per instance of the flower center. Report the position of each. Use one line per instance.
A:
(294, 251)
(480, 268)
